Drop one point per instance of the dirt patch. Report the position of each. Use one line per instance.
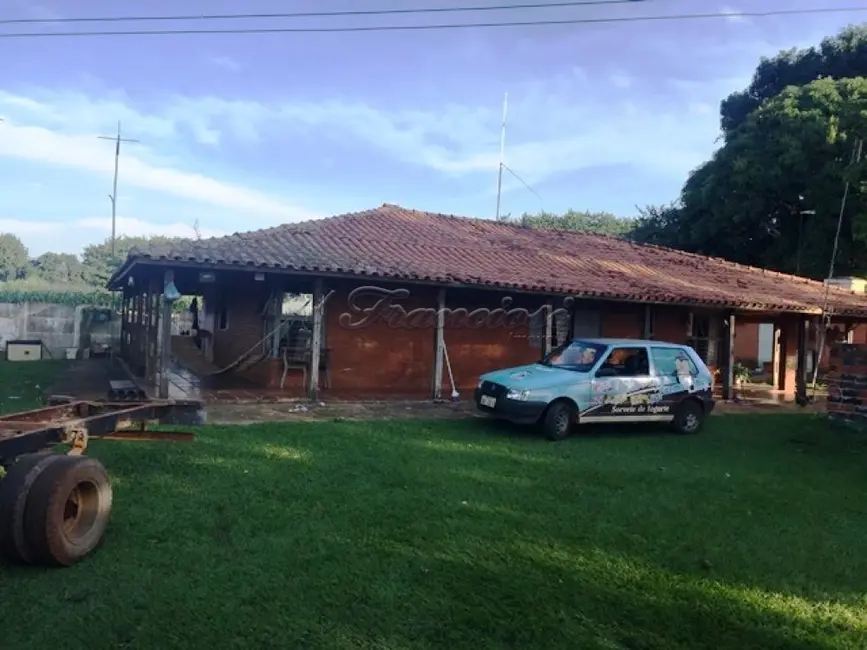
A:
(302, 410)
(367, 410)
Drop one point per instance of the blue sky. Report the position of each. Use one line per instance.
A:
(247, 131)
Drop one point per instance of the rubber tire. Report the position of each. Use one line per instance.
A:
(552, 423)
(688, 408)
(15, 490)
(43, 518)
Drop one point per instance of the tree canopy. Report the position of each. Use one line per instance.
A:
(601, 223)
(771, 195)
(14, 258)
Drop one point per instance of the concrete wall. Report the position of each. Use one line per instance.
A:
(53, 324)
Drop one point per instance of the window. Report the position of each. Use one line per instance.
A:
(672, 362)
(700, 338)
(579, 356)
(627, 362)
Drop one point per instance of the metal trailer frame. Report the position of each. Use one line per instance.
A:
(76, 422)
(54, 507)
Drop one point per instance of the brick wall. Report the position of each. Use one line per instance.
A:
(847, 384)
(244, 301)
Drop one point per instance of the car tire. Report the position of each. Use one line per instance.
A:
(558, 419)
(689, 417)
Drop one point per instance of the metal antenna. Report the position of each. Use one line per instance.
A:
(826, 316)
(502, 154)
(113, 195)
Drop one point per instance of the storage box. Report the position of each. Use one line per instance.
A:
(23, 350)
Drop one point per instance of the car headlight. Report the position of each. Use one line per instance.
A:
(519, 395)
(479, 384)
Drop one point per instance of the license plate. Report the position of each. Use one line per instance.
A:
(488, 401)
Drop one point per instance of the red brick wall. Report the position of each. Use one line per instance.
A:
(623, 321)
(475, 351)
(385, 356)
(669, 324)
(746, 341)
(244, 300)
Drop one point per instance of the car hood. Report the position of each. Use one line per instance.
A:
(533, 376)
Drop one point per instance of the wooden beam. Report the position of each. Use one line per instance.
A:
(165, 347)
(439, 345)
(728, 360)
(316, 339)
(549, 325)
(801, 367)
(648, 322)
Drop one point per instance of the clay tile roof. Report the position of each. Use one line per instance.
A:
(398, 243)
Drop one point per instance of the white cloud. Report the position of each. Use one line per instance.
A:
(84, 151)
(557, 125)
(620, 80)
(733, 17)
(225, 62)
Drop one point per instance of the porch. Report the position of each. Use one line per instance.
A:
(270, 336)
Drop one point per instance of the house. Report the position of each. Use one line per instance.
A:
(400, 296)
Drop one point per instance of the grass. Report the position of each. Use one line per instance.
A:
(22, 383)
(454, 535)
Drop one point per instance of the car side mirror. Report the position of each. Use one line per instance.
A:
(606, 372)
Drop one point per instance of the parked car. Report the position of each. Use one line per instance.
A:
(602, 380)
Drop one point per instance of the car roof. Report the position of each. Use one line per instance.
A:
(609, 341)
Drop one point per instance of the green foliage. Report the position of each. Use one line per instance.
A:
(837, 57)
(58, 268)
(600, 223)
(98, 261)
(771, 195)
(73, 296)
(741, 372)
(14, 258)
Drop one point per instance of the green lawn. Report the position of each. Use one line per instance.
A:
(467, 535)
(22, 383)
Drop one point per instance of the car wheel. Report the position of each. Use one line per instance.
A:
(689, 417)
(558, 420)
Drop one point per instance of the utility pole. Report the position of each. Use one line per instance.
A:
(502, 154)
(113, 195)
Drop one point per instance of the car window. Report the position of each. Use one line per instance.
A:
(627, 362)
(576, 355)
(668, 362)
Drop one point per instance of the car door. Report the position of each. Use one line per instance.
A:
(623, 386)
(677, 375)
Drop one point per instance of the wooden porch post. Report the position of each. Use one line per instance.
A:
(801, 361)
(648, 322)
(549, 325)
(439, 345)
(316, 338)
(728, 366)
(165, 325)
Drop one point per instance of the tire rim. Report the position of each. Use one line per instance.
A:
(690, 422)
(80, 511)
(562, 422)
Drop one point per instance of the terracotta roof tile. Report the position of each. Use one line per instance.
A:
(394, 242)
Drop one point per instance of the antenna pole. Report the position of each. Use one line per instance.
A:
(502, 154)
(113, 196)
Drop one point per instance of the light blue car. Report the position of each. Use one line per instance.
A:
(602, 380)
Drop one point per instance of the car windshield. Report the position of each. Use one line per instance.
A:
(579, 356)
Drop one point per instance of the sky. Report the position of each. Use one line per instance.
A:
(237, 132)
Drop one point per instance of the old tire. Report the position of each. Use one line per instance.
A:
(689, 417)
(15, 488)
(557, 422)
(67, 511)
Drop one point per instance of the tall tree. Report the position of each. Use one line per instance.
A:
(839, 57)
(99, 264)
(601, 223)
(58, 268)
(753, 201)
(14, 257)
